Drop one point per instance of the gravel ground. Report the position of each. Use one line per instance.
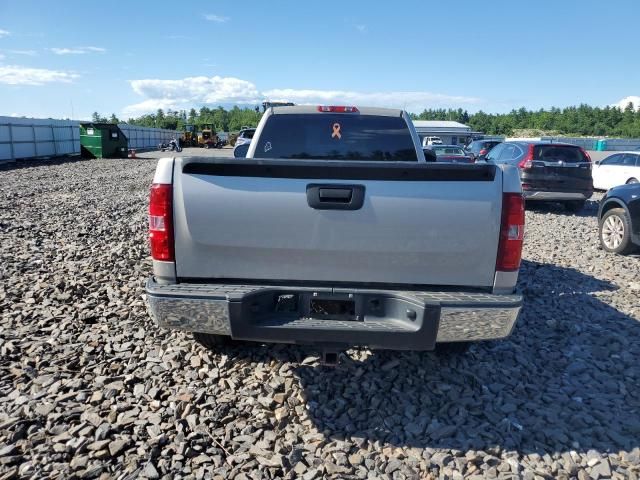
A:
(89, 388)
(226, 152)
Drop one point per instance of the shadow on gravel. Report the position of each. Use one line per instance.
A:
(567, 379)
(589, 210)
(42, 162)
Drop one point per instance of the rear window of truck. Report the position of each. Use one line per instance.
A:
(558, 153)
(336, 137)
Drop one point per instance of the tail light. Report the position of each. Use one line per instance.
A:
(527, 161)
(161, 222)
(511, 233)
(587, 156)
(337, 109)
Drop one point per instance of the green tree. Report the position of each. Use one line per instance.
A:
(192, 116)
(159, 119)
(96, 117)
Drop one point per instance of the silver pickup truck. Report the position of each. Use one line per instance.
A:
(335, 231)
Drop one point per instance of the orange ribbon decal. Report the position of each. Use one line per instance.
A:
(336, 131)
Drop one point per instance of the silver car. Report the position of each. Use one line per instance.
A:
(245, 136)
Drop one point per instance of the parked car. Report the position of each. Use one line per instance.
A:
(240, 151)
(334, 231)
(478, 149)
(427, 141)
(619, 219)
(557, 172)
(450, 153)
(245, 136)
(617, 169)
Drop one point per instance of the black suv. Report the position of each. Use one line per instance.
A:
(556, 172)
(478, 149)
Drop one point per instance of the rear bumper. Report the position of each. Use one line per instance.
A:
(393, 319)
(556, 196)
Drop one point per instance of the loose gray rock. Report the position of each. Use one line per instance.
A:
(150, 471)
(91, 388)
(116, 446)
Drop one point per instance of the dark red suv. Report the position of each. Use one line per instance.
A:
(557, 172)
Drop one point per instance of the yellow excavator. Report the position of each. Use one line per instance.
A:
(189, 136)
(208, 138)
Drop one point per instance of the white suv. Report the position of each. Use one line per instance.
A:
(245, 136)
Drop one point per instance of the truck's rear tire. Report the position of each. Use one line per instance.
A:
(452, 348)
(211, 341)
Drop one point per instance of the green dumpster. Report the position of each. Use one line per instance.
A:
(102, 140)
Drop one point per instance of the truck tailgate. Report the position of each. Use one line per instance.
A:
(423, 224)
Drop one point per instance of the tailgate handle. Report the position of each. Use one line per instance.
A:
(335, 197)
(336, 194)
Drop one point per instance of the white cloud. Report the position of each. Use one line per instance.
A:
(29, 53)
(17, 75)
(216, 18)
(198, 90)
(193, 91)
(622, 104)
(67, 51)
(4, 33)
(149, 106)
(412, 101)
(361, 28)
(77, 50)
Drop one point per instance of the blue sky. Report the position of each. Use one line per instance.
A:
(136, 57)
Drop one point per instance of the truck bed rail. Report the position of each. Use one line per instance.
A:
(340, 170)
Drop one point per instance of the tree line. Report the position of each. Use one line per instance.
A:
(582, 120)
(222, 120)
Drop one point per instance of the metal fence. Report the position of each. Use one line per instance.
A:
(591, 143)
(28, 138)
(609, 144)
(146, 137)
(618, 144)
(34, 138)
(586, 143)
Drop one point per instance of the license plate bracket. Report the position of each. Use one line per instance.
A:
(332, 309)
